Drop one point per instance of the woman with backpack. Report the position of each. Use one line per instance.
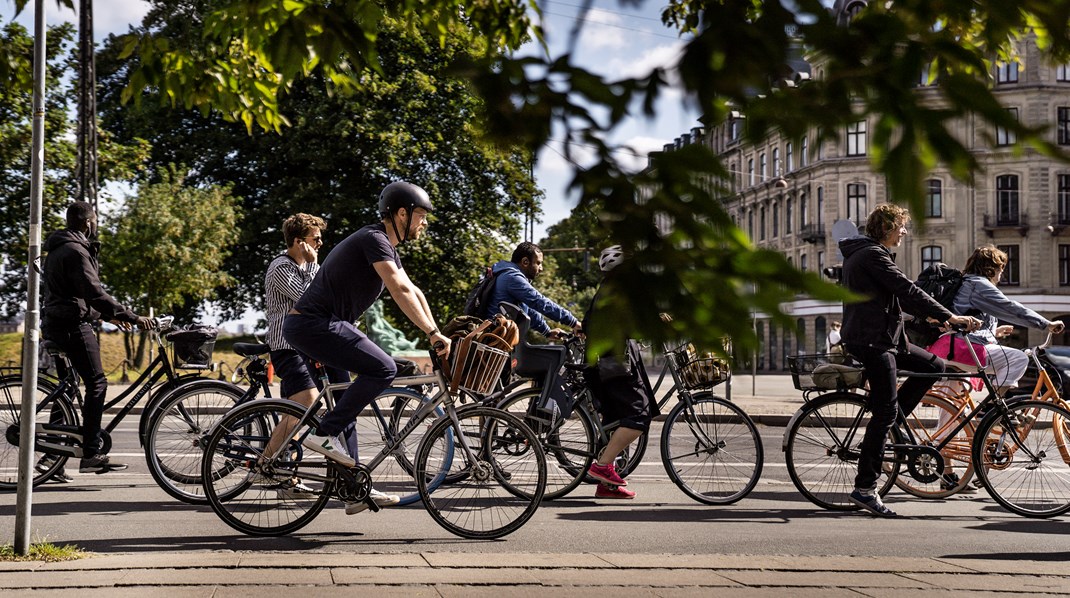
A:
(980, 296)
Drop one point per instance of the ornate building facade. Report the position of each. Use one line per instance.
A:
(798, 195)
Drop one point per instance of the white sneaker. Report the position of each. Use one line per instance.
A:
(381, 499)
(332, 447)
(294, 490)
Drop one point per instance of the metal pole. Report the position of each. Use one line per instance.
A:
(30, 337)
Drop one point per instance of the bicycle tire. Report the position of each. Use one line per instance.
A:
(1024, 469)
(485, 504)
(166, 390)
(931, 421)
(569, 444)
(63, 413)
(820, 466)
(384, 419)
(174, 443)
(250, 499)
(711, 449)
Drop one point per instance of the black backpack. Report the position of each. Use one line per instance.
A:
(941, 282)
(480, 296)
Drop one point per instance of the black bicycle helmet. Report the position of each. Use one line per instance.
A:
(401, 194)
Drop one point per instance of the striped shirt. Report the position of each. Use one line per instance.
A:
(284, 284)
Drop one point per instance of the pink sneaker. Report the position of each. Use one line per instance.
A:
(606, 474)
(604, 491)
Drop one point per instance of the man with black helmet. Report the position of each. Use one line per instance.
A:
(73, 302)
(349, 281)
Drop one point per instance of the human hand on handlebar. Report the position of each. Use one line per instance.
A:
(1056, 327)
(441, 344)
(1004, 331)
(968, 323)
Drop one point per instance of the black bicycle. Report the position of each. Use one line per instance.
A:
(59, 403)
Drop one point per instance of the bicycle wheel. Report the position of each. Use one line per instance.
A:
(55, 410)
(381, 423)
(256, 495)
(505, 473)
(568, 443)
(1021, 453)
(931, 423)
(821, 462)
(711, 450)
(174, 442)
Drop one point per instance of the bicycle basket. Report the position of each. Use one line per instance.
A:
(698, 369)
(192, 348)
(478, 369)
(815, 372)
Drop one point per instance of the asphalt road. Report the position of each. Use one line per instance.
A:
(126, 512)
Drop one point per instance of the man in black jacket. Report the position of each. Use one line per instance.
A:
(873, 334)
(73, 302)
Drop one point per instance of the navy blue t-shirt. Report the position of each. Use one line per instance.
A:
(347, 283)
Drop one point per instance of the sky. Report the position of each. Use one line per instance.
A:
(616, 42)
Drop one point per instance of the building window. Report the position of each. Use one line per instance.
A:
(1007, 199)
(819, 334)
(750, 223)
(1062, 198)
(821, 208)
(789, 155)
(821, 262)
(776, 162)
(1064, 265)
(761, 223)
(1005, 136)
(1011, 270)
(1062, 72)
(772, 346)
(1006, 72)
(776, 220)
(856, 139)
(750, 171)
(1063, 125)
(733, 171)
(803, 262)
(788, 224)
(934, 199)
(856, 202)
(764, 173)
(804, 206)
(930, 255)
(804, 152)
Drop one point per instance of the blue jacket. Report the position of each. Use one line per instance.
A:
(978, 293)
(511, 286)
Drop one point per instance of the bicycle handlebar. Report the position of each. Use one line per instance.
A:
(163, 322)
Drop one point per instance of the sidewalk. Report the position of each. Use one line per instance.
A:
(459, 574)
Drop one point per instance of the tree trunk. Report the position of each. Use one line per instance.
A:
(142, 341)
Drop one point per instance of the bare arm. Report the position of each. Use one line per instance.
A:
(412, 302)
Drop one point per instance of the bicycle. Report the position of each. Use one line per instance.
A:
(710, 447)
(180, 426)
(58, 406)
(497, 467)
(1018, 449)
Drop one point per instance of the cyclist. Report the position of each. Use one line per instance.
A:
(873, 334)
(979, 295)
(73, 302)
(624, 396)
(287, 277)
(352, 277)
(512, 284)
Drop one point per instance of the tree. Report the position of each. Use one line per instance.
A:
(410, 120)
(737, 55)
(166, 246)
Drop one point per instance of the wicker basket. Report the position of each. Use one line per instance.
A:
(698, 370)
(816, 372)
(481, 368)
(192, 349)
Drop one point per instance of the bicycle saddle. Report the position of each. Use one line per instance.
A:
(51, 347)
(532, 361)
(251, 349)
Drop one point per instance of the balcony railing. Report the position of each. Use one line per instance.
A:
(1019, 222)
(812, 233)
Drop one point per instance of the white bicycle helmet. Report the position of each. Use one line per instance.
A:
(611, 257)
